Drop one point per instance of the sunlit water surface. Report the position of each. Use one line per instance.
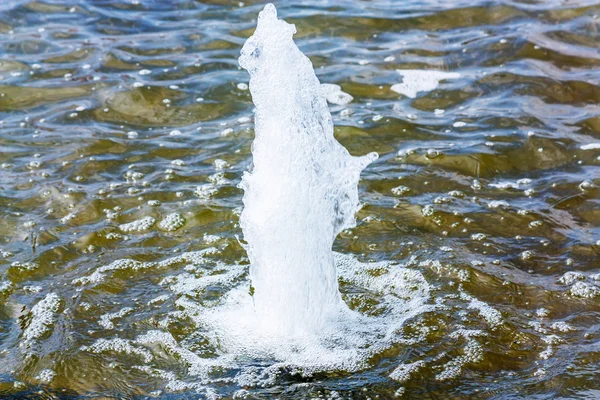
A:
(126, 127)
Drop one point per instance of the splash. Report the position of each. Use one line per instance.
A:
(302, 189)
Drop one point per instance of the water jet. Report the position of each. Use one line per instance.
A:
(301, 190)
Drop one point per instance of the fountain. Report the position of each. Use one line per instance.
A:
(299, 194)
(301, 191)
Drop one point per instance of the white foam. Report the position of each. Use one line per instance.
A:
(206, 191)
(416, 80)
(233, 328)
(222, 164)
(403, 372)
(479, 236)
(140, 225)
(171, 222)
(498, 204)
(46, 375)
(492, 316)
(106, 320)
(561, 326)
(346, 342)
(472, 353)
(400, 190)
(187, 283)
(159, 299)
(505, 185)
(193, 257)
(571, 277)
(542, 312)
(251, 354)
(590, 146)
(335, 95)
(118, 345)
(43, 317)
(25, 266)
(584, 290)
(99, 275)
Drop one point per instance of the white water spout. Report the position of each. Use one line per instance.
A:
(301, 190)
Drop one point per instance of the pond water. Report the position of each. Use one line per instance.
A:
(126, 126)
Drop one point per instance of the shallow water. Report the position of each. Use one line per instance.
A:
(487, 210)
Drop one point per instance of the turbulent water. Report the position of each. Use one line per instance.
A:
(474, 268)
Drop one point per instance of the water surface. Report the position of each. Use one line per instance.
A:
(487, 185)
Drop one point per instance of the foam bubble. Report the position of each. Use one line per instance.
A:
(584, 290)
(571, 277)
(106, 320)
(193, 257)
(492, 316)
(472, 353)
(171, 222)
(403, 372)
(561, 326)
(43, 317)
(46, 375)
(415, 81)
(118, 345)
(140, 225)
(346, 342)
(335, 95)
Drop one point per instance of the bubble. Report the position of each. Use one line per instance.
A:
(571, 277)
(587, 185)
(427, 210)
(106, 320)
(46, 376)
(119, 346)
(498, 204)
(584, 290)
(43, 318)
(140, 225)
(527, 255)
(433, 153)
(400, 190)
(536, 224)
(403, 372)
(171, 222)
(561, 326)
(542, 312)
(479, 236)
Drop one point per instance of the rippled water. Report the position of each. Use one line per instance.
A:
(126, 126)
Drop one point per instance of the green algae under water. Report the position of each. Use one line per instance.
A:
(126, 127)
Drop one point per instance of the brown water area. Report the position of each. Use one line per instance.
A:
(125, 127)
